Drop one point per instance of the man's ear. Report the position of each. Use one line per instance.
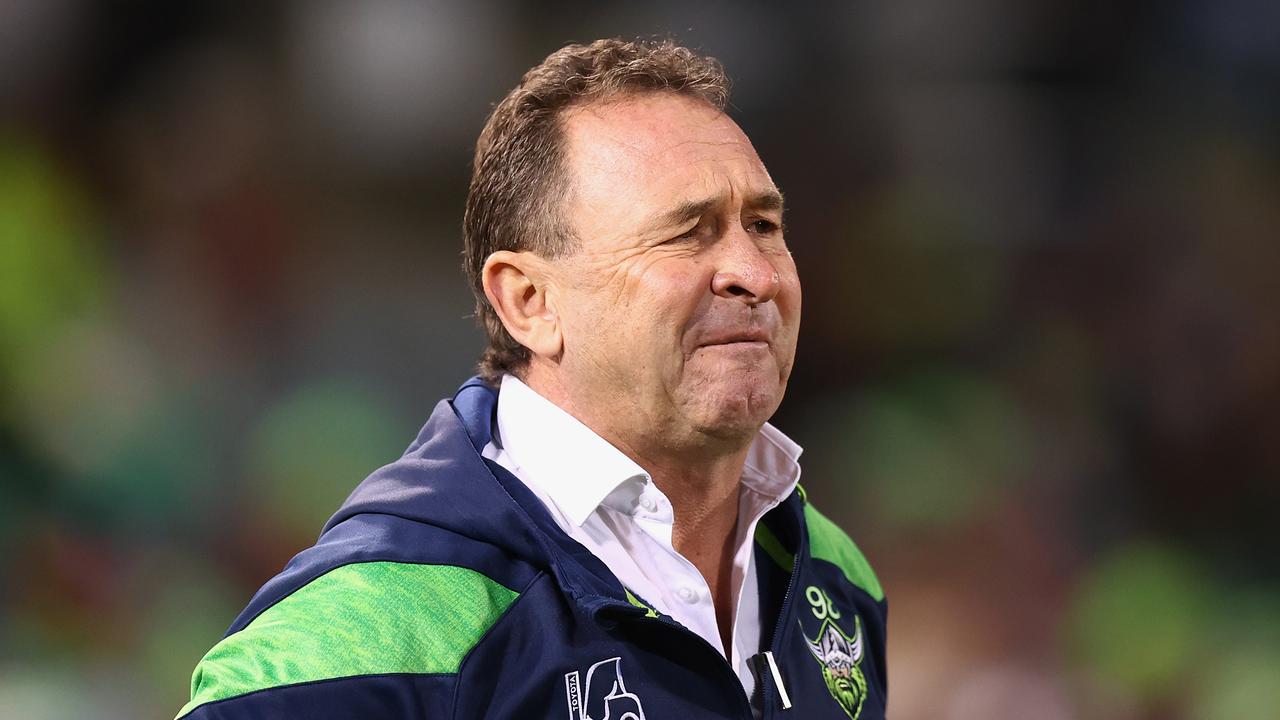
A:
(517, 285)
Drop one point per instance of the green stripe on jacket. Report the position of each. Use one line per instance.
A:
(828, 542)
(360, 619)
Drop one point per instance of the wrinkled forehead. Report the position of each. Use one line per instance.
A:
(639, 152)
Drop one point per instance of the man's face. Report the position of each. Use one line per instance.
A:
(680, 309)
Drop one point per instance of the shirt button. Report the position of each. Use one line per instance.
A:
(687, 594)
(648, 503)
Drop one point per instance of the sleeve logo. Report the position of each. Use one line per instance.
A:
(839, 654)
(605, 695)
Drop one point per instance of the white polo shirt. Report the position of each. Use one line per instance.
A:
(609, 504)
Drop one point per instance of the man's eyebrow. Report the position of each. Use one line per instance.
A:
(767, 200)
(682, 213)
(693, 209)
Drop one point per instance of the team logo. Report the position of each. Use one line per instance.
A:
(839, 654)
(604, 697)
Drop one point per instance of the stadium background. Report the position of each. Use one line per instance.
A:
(1039, 376)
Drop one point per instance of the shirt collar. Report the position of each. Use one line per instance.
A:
(579, 470)
(565, 459)
(772, 468)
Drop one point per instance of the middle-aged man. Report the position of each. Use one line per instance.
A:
(602, 525)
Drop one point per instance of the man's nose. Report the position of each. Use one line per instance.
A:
(745, 273)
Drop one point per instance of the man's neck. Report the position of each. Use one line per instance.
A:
(705, 505)
(704, 495)
(702, 482)
(700, 474)
(703, 488)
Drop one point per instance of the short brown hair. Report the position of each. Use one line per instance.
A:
(518, 175)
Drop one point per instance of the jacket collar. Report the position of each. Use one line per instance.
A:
(581, 573)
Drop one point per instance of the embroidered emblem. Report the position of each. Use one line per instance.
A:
(839, 654)
(604, 696)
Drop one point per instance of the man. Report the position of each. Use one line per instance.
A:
(602, 525)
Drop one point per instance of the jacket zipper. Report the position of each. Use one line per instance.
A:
(768, 701)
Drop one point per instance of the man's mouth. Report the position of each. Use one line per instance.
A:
(739, 337)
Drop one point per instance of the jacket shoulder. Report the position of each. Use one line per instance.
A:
(828, 542)
(360, 614)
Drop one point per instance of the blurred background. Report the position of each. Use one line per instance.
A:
(1039, 372)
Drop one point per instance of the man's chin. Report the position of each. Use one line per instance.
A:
(737, 413)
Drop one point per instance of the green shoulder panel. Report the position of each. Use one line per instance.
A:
(360, 619)
(828, 542)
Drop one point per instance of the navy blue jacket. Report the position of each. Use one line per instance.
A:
(443, 589)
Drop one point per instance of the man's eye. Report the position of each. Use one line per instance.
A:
(764, 227)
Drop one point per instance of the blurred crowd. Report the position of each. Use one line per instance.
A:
(1039, 368)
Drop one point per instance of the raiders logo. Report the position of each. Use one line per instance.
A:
(839, 654)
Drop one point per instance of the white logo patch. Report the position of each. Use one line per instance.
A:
(605, 696)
